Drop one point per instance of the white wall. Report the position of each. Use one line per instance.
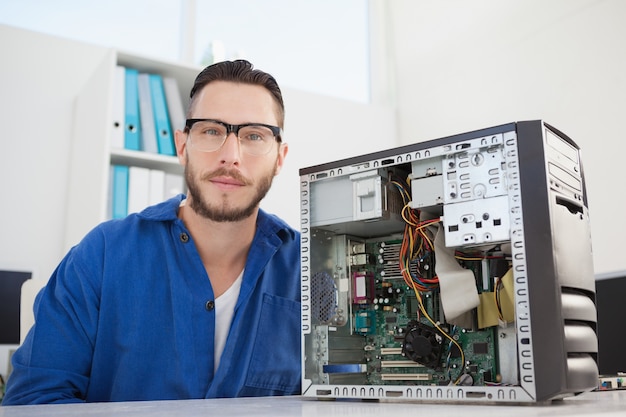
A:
(37, 105)
(464, 65)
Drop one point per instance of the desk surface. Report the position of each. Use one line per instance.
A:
(605, 403)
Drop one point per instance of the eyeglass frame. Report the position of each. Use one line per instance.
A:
(233, 128)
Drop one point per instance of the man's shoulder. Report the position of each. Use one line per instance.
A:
(151, 218)
(272, 224)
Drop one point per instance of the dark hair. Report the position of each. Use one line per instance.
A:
(239, 71)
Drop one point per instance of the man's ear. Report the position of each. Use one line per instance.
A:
(282, 153)
(180, 140)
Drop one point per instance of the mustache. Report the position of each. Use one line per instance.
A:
(225, 172)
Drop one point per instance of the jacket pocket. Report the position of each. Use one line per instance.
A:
(275, 367)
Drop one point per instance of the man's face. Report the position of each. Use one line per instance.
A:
(227, 185)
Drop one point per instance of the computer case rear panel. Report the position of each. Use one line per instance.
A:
(453, 270)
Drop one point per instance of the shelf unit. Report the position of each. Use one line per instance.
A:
(92, 155)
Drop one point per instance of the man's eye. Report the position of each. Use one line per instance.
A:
(212, 132)
(254, 137)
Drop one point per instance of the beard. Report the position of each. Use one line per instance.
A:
(224, 211)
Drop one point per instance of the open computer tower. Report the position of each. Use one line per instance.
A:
(452, 270)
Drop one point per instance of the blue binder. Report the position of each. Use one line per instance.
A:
(132, 131)
(120, 191)
(165, 139)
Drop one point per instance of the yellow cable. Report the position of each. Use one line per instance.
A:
(409, 245)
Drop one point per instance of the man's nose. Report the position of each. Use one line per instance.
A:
(230, 151)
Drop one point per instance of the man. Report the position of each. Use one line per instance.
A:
(196, 297)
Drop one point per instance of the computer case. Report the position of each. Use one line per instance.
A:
(452, 270)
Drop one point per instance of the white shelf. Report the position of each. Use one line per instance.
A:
(92, 154)
(146, 160)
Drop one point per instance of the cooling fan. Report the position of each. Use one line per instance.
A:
(422, 344)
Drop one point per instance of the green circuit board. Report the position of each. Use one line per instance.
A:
(372, 326)
(385, 309)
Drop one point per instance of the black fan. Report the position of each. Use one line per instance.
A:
(422, 344)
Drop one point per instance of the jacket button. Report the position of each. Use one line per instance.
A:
(210, 305)
(184, 237)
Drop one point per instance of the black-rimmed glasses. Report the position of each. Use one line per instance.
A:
(208, 135)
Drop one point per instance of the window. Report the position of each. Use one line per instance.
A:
(318, 46)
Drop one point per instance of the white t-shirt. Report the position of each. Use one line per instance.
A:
(224, 311)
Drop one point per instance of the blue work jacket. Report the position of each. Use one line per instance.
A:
(128, 315)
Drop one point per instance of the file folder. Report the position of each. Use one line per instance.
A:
(138, 189)
(157, 186)
(117, 130)
(119, 191)
(174, 103)
(161, 117)
(174, 185)
(132, 132)
(146, 115)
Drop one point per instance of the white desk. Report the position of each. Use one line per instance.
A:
(606, 403)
